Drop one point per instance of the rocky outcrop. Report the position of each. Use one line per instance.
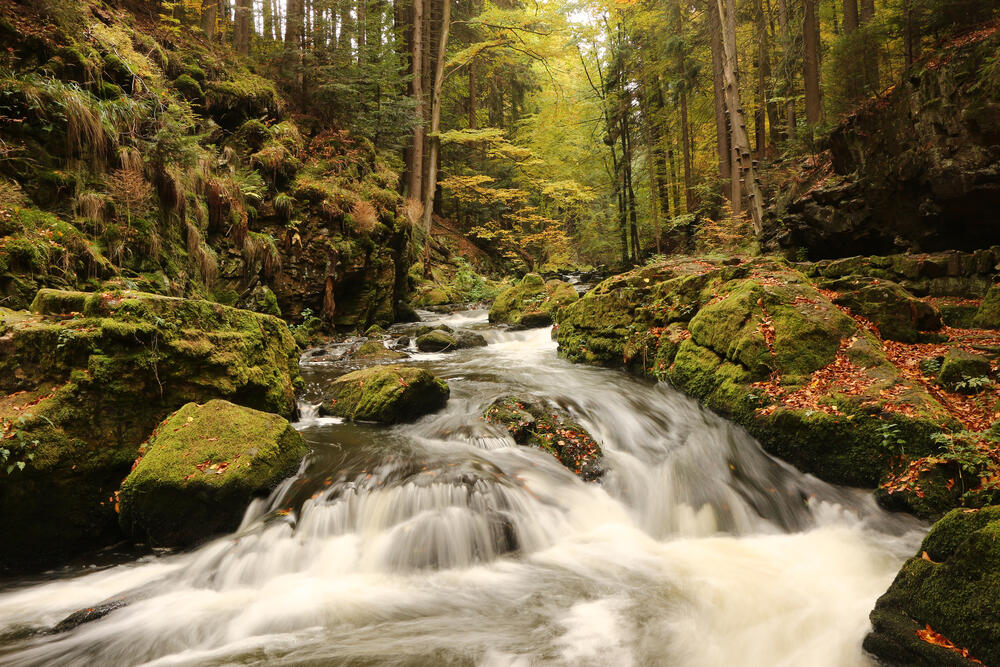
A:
(386, 394)
(762, 343)
(198, 472)
(942, 608)
(533, 423)
(87, 376)
(916, 169)
(532, 302)
(444, 339)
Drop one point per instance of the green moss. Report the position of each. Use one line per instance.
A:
(898, 314)
(436, 341)
(964, 371)
(189, 88)
(374, 350)
(988, 315)
(532, 302)
(953, 590)
(534, 424)
(386, 394)
(200, 469)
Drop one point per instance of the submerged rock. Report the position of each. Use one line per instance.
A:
(950, 588)
(386, 394)
(200, 469)
(532, 302)
(534, 424)
(88, 376)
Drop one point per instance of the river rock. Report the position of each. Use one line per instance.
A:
(949, 586)
(198, 472)
(535, 424)
(436, 341)
(532, 302)
(376, 351)
(86, 378)
(386, 394)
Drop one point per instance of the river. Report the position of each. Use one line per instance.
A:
(443, 543)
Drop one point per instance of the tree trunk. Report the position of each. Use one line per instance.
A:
(241, 35)
(209, 16)
(294, 22)
(851, 19)
(786, 36)
(472, 96)
(721, 127)
(871, 48)
(362, 30)
(911, 37)
(810, 62)
(741, 142)
(430, 187)
(268, 20)
(415, 168)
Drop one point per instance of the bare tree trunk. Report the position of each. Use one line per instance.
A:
(415, 168)
(911, 37)
(741, 141)
(851, 18)
(362, 30)
(209, 16)
(810, 62)
(267, 20)
(721, 127)
(430, 187)
(241, 35)
(871, 50)
(295, 10)
(786, 35)
(473, 124)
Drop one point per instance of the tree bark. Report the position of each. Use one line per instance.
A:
(294, 19)
(871, 48)
(362, 30)
(415, 168)
(209, 16)
(851, 18)
(741, 142)
(430, 187)
(241, 35)
(786, 36)
(721, 126)
(810, 62)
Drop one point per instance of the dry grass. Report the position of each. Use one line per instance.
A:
(261, 250)
(365, 216)
(413, 209)
(91, 206)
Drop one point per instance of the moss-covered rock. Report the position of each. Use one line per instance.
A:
(759, 343)
(950, 585)
(375, 350)
(200, 469)
(535, 424)
(532, 302)
(988, 315)
(897, 313)
(964, 371)
(436, 341)
(88, 377)
(386, 394)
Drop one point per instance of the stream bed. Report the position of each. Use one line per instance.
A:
(441, 542)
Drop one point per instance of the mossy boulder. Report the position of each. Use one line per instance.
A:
(532, 302)
(950, 585)
(386, 394)
(87, 378)
(533, 423)
(964, 371)
(988, 315)
(200, 469)
(375, 350)
(436, 341)
(897, 313)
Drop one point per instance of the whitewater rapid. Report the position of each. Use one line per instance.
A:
(443, 543)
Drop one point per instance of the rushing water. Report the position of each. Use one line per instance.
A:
(442, 543)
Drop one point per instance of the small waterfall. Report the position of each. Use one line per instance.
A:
(442, 542)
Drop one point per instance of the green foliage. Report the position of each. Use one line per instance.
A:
(891, 438)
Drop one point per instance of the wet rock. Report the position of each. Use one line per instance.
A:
(201, 467)
(374, 350)
(467, 339)
(98, 372)
(964, 372)
(532, 302)
(950, 585)
(536, 424)
(427, 328)
(436, 341)
(386, 394)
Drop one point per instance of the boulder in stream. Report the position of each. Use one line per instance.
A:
(532, 302)
(386, 394)
(947, 592)
(198, 472)
(535, 424)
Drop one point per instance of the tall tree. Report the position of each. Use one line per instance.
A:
(810, 62)
(741, 142)
(723, 148)
(434, 138)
